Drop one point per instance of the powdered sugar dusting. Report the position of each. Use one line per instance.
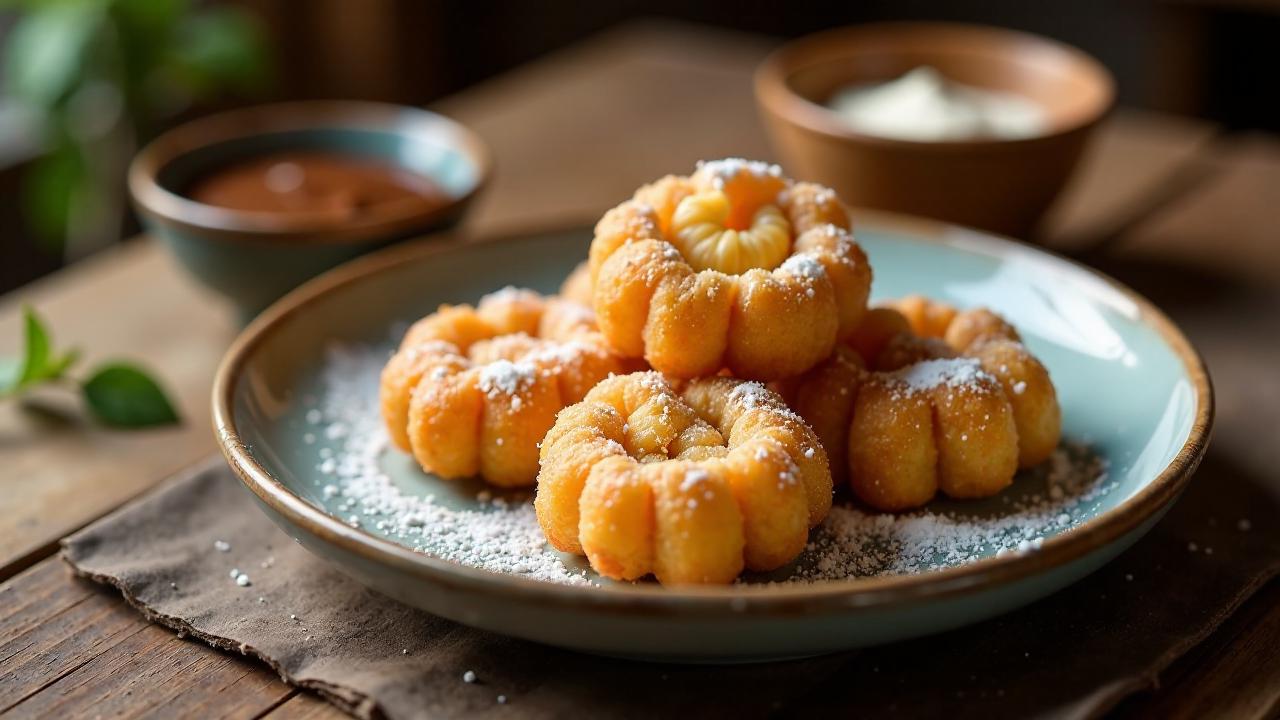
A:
(722, 171)
(856, 543)
(504, 376)
(501, 535)
(362, 481)
(805, 266)
(511, 295)
(951, 372)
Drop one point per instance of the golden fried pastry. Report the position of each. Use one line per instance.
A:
(690, 483)
(733, 267)
(577, 287)
(472, 390)
(926, 398)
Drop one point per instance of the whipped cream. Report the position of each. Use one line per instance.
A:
(924, 106)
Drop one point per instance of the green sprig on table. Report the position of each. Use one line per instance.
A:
(118, 394)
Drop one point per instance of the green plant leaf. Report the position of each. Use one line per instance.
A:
(58, 365)
(35, 349)
(38, 362)
(221, 48)
(47, 48)
(124, 395)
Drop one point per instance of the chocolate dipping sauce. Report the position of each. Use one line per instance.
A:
(309, 183)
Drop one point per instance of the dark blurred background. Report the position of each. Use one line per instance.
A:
(85, 82)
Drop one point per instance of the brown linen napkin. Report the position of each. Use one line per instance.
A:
(1072, 655)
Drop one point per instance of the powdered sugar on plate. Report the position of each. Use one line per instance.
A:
(364, 482)
(496, 534)
(856, 543)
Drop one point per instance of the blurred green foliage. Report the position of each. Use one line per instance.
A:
(103, 75)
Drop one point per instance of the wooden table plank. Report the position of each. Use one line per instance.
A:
(75, 623)
(152, 673)
(305, 706)
(81, 649)
(1137, 161)
(1232, 226)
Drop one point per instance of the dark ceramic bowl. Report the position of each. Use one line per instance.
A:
(255, 257)
(1003, 185)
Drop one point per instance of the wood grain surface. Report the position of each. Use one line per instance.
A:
(573, 134)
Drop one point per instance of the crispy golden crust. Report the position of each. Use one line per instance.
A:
(689, 484)
(577, 287)
(982, 334)
(953, 402)
(471, 391)
(734, 267)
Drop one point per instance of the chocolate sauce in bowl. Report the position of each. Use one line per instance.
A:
(314, 183)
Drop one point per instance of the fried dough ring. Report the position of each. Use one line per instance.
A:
(472, 390)
(734, 267)
(953, 402)
(691, 484)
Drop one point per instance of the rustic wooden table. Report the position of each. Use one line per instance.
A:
(574, 133)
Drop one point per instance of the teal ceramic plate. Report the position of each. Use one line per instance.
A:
(295, 412)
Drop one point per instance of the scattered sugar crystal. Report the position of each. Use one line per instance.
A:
(221, 546)
(1192, 547)
(468, 677)
(502, 699)
(243, 580)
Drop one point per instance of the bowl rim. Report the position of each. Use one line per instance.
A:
(775, 96)
(760, 600)
(171, 208)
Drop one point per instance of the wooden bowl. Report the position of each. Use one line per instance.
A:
(254, 257)
(1003, 185)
